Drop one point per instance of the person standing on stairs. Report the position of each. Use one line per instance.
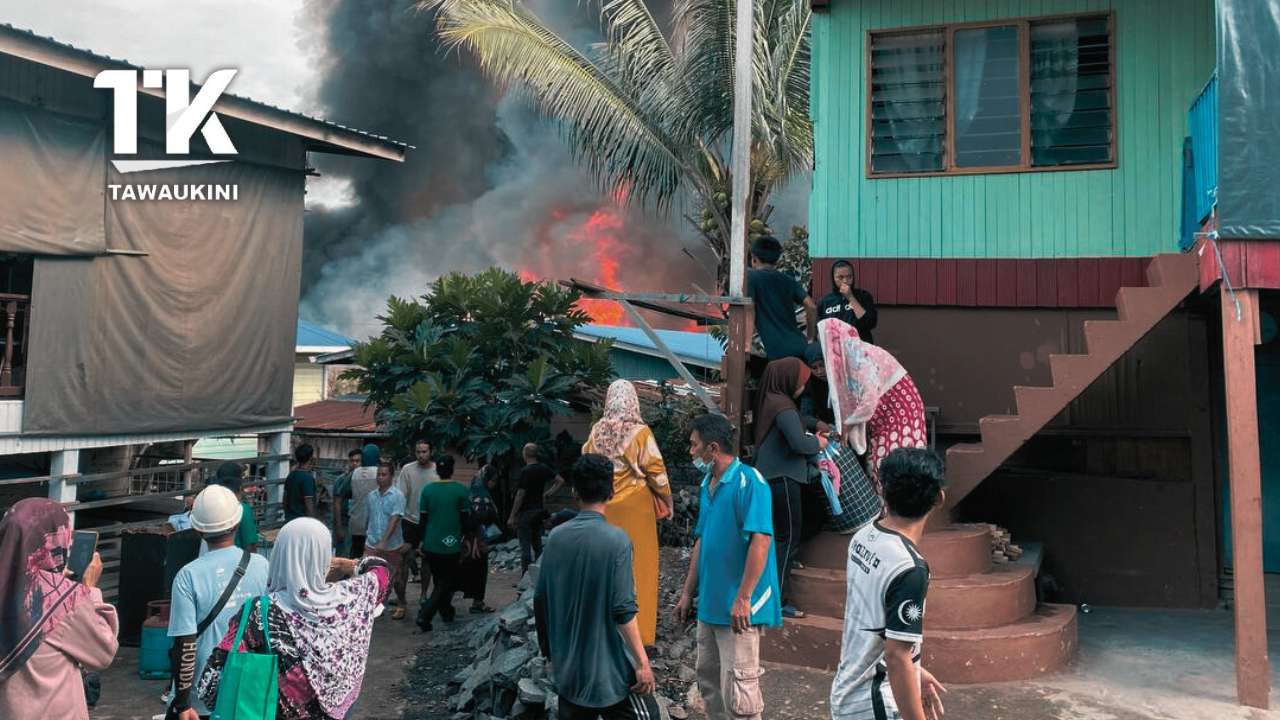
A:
(876, 403)
(879, 676)
(783, 449)
(732, 572)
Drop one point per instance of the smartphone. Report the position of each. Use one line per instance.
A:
(83, 544)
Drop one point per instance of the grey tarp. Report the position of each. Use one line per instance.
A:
(51, 182)
(190, 336)
(1248, 118)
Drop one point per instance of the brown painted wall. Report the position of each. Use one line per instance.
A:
(1119, 486)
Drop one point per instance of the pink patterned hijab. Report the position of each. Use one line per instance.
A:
(621, 419)
(35, 595)
(858, 374)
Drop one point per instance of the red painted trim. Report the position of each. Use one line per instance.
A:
(966, 282)
(1249, 263)
(1006, 282)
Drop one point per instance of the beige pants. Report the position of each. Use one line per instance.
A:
(729, 672)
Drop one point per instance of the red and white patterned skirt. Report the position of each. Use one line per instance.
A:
(898, 422)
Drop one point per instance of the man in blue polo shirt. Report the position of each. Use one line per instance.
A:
(733, 572)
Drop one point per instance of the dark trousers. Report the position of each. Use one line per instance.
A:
(412, 536)
(357, 546)
(634, 707)
(475, 577)
(529, 530)
(788, 519)
(445, 574)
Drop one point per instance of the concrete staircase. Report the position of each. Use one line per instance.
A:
(982, 623)
(1171, 278)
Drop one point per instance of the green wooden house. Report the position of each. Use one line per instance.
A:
(1016, 182)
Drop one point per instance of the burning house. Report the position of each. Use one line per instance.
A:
(135, 327)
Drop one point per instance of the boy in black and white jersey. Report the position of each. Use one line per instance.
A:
(879, 677)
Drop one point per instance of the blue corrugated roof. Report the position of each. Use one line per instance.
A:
(696, 347)
(314, 336)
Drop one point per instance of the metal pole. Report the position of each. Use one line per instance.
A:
(741, 159)
(740, 166)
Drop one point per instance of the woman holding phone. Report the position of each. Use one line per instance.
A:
(51, 626)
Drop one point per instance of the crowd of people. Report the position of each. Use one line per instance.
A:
(312, 606)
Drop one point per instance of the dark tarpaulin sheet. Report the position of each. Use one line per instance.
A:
(198, 334)
(52, 169)
(1248, 118)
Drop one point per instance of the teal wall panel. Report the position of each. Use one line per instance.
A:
(1164, 53)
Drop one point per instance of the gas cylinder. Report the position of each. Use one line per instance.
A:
(153, 657)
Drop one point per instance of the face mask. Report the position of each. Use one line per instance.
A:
(702, 465)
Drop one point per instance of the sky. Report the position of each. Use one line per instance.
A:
(262, 39)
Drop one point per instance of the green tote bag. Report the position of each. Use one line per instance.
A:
(248, 690)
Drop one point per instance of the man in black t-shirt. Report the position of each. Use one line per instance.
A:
(300, 485)
(847, 303)
(776, 296)
(528, 510)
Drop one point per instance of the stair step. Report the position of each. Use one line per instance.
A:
(957, 550)
(1074, 373)
(818, 591)
(812, 641)
(1145, 304)
(1038, 405)
(1108, 339)
(1005, 432)
(1000, 597)
(826, 551)
(1040, 643)
(1174, 270)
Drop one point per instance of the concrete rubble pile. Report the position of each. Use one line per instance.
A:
(509, 678)
(505, 556)
(678, 532)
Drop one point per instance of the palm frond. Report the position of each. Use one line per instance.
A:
(704, 32)
(621, 142)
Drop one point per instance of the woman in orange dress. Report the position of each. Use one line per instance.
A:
(641, 491)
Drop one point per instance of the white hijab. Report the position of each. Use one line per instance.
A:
(331, 622)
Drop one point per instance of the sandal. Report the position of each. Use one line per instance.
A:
(397, 614)
(790, 611)
(481, 609)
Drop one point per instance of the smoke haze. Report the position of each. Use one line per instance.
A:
(490, 183)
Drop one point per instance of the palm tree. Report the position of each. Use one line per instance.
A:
(649, 115)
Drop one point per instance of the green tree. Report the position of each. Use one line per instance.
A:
(479, 365)
(652, 115)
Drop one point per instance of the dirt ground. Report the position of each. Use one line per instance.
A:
(1132, 665)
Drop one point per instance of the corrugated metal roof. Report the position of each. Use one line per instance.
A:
(695, 348)
(335, 416)
(317, 338)
(327, 132)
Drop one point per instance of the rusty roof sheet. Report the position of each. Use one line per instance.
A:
(335, 416)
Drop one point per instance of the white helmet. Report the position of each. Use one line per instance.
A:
(216, 510)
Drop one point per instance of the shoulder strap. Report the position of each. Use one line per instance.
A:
(226, 595)
(265, 603)
(244, 620)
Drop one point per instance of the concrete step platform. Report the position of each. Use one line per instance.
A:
(818, 591)
(828, 551)
(1040, 643)
(1000, 597)
(957, 550)
(812, 641)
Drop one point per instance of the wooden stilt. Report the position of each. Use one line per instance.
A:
(741, 322)
(1239, 336)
